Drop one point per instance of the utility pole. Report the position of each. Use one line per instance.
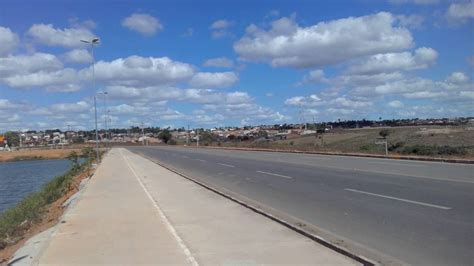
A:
(19, 134)
(197, 137)
(187, 136)
(92, 43)
(106, 118)
(143, 134)
(96, 131)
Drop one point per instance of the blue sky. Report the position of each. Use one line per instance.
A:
(224, 63)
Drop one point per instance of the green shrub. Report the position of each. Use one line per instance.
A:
(434, 150)
(364, 148)
(396, 146)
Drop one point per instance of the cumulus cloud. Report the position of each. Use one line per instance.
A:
(219, 62)
(25, 64)
(144, 24)
(458, 78)
(411, 21)
(220, 28)
(64, 80)
(140, 71)
(461, 11)
(79, 56)
(417, 2)
(288, 44)
(395, 104)
(77, 107)
(220, 24)
(215, 80)
(37, 70)
(69, 37)
(9, 41)
(425, 94)
(422, 58)
(315, 76)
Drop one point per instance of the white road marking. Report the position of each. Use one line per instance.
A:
(200, 160)
(399, 199)
(224, 164)
(267, 173)
(170, 227)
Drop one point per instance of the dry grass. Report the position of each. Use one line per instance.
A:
(36, 154)
(363, 140)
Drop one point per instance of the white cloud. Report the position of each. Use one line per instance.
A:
(287, 44)
(314, 76)
(80, 56)
(461, 11)
(417, 2)
(215, 80)
(219, 62)
(395, 104)
(142, 23)
(458, 78)
(7, 104)
(26, 64)
(64, 80)
(77, 107)
(310, 101)
(220, 28)
(467, 94)
(69, 37)
(411, 21)
(37, 70)
(424, 94)
(9, 40)
(422, 58)
(221, 24)
(347, 103)
(140, 71)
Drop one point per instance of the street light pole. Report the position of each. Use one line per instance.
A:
(96, 131)
(92, 43)
(106, 118)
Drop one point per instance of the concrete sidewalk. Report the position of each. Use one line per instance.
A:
(136, 212)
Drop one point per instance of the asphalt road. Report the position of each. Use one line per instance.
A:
(414, 212)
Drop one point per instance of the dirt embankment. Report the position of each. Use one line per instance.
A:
(36, 154)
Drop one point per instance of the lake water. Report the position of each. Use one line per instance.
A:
(18, 179)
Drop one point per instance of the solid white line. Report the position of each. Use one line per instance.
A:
(224, 164)
(200, 160)
(170, 227)
(399, 199)
(267, 173)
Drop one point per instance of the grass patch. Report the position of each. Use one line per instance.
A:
(15, 221)
(434, 150)
(26, 158)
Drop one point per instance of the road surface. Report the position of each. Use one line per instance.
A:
(411, 212)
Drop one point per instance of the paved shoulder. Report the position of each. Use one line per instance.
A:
(114, 222)
(220, 231)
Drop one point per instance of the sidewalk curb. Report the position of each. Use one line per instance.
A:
(390, 157)
(359, 258)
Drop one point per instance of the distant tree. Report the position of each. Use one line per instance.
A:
(384, 133)
(165, 135)
(13, 138)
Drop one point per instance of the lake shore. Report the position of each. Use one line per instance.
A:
(27, 154)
